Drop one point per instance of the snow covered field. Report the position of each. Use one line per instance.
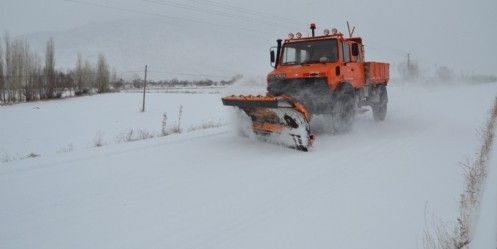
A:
(377, 187)
(76, 123)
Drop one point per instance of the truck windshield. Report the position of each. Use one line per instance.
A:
(320, 51)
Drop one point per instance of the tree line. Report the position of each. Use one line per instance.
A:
(174, 82)
(26, 76)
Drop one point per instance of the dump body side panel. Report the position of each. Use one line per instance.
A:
(377, 72)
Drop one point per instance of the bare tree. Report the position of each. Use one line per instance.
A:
(2, 77)
(78, 76)
(31, 77)
(8, 93)
(19, 68)
(88, 77)
(18, 73)
(103, 75)
(24, 77)
(68, 81)
(113, 79)
(49, 70)
(38, 77)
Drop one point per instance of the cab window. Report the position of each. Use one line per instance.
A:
(345, 52)
(320, 51)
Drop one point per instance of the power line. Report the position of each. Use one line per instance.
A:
(233, 12)
(244, 10)
(174, 18)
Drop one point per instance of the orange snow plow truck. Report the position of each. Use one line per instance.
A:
(316, 75)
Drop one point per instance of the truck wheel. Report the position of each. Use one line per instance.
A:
(380, 109)
(343, 114)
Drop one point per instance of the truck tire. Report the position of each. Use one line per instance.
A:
(343, 110)
(380, 108)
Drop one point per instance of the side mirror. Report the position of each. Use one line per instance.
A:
(272, 53)
(275, 54)
(355, 49)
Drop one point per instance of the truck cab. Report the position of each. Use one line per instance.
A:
(311, 69)
(331, 56)
(316, 75)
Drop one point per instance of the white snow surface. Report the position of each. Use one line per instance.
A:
(376, 187)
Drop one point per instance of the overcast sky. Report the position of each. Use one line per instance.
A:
(457, 33)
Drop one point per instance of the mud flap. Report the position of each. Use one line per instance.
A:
(279, 120)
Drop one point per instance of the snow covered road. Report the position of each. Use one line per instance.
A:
(212, 189)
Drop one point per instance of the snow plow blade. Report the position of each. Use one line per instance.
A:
(280, 120)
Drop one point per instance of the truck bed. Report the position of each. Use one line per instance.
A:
(377, 72)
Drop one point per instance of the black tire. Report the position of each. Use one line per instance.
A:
(380, 109)
(343, 111)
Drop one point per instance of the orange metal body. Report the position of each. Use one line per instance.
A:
(346, 68)
(313, 76)
(247, 99)
(269, 127)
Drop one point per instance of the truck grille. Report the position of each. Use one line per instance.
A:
(313, 93)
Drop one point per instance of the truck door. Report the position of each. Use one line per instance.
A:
(352, 69)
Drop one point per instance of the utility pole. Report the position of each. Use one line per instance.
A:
(408, 65)
(144, 88)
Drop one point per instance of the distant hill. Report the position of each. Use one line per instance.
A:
(177, 50)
